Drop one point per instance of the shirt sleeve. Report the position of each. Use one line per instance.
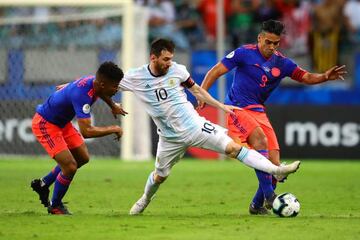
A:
(81, 102)
(125, 83)
(183, 72)
(298, 74)
(234, 58)
(293, 71)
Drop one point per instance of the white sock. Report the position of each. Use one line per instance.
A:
(151, 186)
(255, 160)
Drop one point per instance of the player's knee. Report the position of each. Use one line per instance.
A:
(261, 143)
(158, 179)
(70, 168)
(258, 139)
(83, 161)
(86, 159)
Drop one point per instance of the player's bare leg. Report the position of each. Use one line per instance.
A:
(68, 169)
(81, 155)
(274, 156)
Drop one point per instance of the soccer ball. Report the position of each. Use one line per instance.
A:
(286, 205)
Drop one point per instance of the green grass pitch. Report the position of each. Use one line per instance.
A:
(200, 200)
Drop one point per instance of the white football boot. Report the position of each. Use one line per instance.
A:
(140, 205)
(285, 170)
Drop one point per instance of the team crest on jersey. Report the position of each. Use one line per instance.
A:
(86, 108)
(172, 82)
(230, 55)
(275, 72)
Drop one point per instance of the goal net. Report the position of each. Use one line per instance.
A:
(46, 43)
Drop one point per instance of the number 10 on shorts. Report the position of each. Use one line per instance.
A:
(208, 128)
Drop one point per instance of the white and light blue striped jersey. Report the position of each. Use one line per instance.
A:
(165, 100)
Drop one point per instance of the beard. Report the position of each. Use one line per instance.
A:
(162, 70)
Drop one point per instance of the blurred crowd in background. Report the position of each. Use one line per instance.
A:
(320, 28)
(45, 46)
(323, 28)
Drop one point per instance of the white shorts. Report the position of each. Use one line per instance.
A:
(209, 136)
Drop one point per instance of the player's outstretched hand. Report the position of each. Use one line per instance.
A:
(200, 105)
(118, 132)
(335, 73)
(230, 108)
(117, 109)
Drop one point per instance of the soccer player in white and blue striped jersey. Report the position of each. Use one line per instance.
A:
(160, 85)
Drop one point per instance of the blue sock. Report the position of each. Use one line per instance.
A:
(61, 186)
(265, 188)
(258, 199)
(51, 177)
(265, 182)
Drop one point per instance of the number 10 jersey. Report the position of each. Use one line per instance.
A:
(165, 100)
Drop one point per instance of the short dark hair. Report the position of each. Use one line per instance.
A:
(273, 26)
(110, 72)
(161, 44)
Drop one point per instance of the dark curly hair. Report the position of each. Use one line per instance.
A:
(109, 71)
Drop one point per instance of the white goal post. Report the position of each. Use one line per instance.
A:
(136, 141)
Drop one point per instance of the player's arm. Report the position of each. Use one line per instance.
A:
(211, 76)
(333, 73)
(202, 95)
(89, 131)
(116, 108)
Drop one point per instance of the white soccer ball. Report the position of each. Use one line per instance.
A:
(286, 205)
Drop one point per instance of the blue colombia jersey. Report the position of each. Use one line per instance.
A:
(255, 76)
(75, 99)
